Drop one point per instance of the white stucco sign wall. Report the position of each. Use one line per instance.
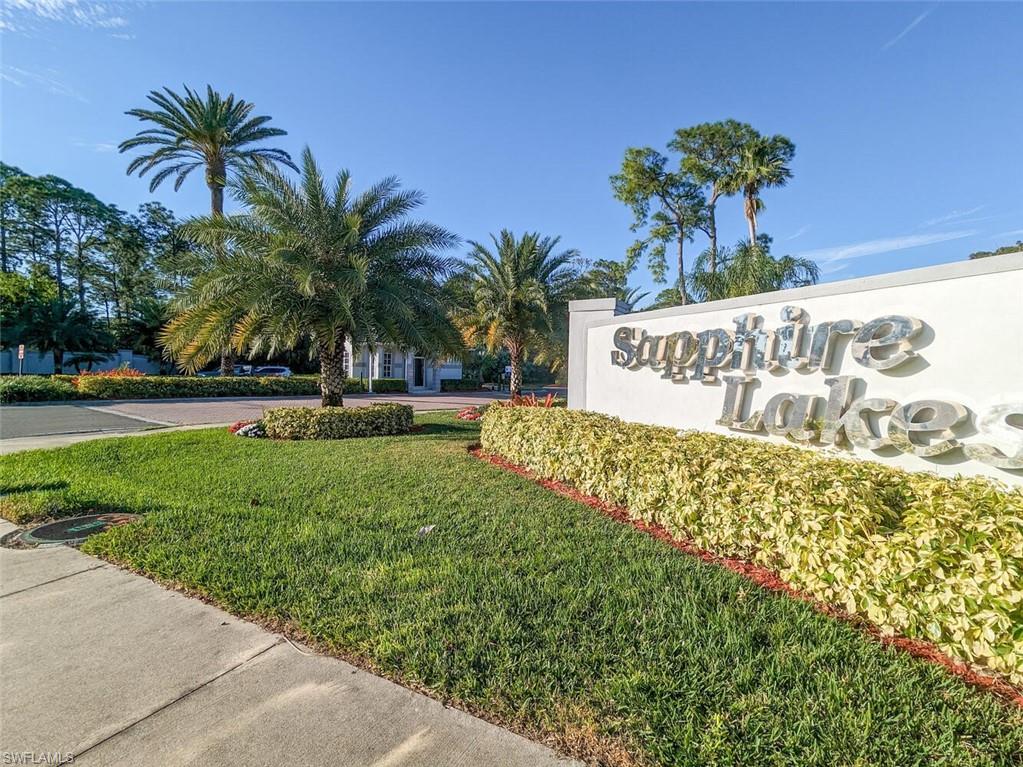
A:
(922, 369)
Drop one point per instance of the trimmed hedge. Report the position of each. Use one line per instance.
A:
(337, 422)
(934, 558)
(35, 389)
(159, 387)
(452, 384)
(386, 385)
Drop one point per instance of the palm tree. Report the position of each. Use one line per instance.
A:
(517, 293)
(215, 133)
(763, 163)
(56, 325)
(308, 265)
(750, 269)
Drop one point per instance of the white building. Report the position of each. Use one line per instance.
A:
(421, 372)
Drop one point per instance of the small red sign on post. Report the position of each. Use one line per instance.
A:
(21, 351)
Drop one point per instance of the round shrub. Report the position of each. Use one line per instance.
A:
(377, 420)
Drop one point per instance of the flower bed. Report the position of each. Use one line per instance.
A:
(930, 558)
(337, 422)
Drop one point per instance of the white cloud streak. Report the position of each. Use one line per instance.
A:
(48, 79)
(952, 216)
(799, 232)
(887, 245)
(20, 15)
(909, 28)
(103, 147)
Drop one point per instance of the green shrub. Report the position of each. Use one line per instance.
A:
(158, 387)
(388, 385)
(337, 422)
(933, 558)
(452, 384)
(35, 389)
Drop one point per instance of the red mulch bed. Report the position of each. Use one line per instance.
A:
(770, 580)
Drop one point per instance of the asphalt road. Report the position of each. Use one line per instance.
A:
(47, 420)
(29, 426)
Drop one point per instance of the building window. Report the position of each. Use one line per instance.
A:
(386, 367)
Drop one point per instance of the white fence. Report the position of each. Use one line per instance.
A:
(922, 369)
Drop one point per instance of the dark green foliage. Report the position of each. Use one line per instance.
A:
(1000, 251)
(451, 384)
(388, 386)
(385, 418)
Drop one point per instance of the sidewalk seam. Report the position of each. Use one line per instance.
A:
(179, 698)
(53, 580)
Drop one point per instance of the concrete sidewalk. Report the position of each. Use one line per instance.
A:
(109, 667)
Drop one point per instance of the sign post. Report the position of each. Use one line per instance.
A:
(21, 358)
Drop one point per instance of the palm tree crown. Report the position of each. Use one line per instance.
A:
(516, 293)
(214, 132)
(308, 264)
(763, 163)
(748, 270)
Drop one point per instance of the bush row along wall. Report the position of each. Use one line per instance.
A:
(929, 557)
(43, 388)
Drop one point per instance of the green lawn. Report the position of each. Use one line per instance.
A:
(533, 609)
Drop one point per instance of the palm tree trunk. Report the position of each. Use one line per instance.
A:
(712, 233)
(515, 384)
(227, 360)
(58, 361)
(681, 269)
(81, 276)
(332, 373)
(751, 218)
(3, 243)
(217, 199)
(216, 177)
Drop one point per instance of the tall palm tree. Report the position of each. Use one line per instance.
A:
(763, 163)
(517, 292)
(310, 265)
(215, 133)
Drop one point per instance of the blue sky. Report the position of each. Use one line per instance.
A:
(908, 118)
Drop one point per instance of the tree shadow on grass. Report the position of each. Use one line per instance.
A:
(30, 508)
(455, 430)
(32, 487)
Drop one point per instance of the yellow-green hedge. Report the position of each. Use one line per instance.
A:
(939, 559)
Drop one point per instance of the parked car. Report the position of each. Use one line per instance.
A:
(273, 371)
(239, 370)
